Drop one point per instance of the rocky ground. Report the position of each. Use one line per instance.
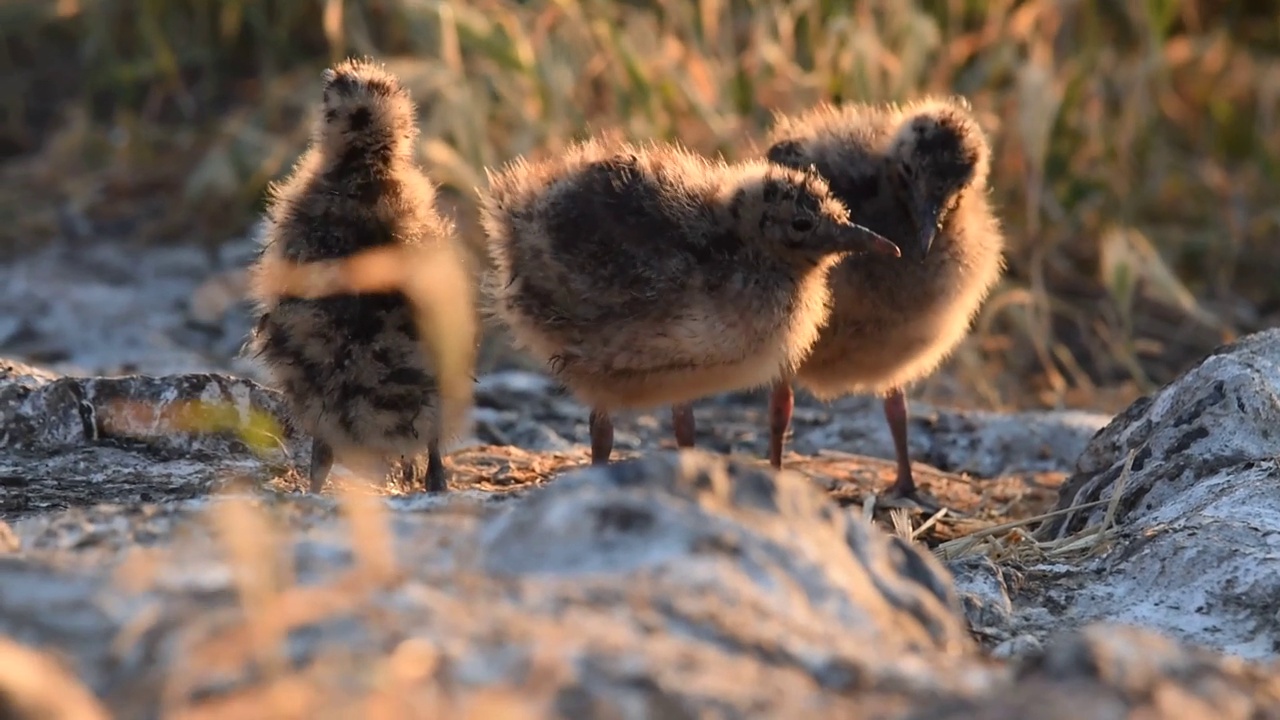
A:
(160, 556)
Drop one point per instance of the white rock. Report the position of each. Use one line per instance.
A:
(1197, 553)
(675, 586)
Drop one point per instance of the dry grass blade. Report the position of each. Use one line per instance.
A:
(966, 544)
(250, 541)
(1017, 544)
(441, 292)
(371, 534)
(869, 507)
(901, 521)
(928, 523)
(33, 685)
(1113, 505)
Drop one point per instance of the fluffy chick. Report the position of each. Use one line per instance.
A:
(650, 275)
(350, 366)
(917, 174)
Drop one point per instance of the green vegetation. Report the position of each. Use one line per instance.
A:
(1137, 142)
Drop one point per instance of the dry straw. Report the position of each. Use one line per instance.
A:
(1012, 541)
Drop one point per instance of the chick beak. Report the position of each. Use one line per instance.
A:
(926, 228)
(861, 239)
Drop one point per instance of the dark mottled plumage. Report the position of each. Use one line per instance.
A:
(916, 173)
(350, 366)
(649, 275)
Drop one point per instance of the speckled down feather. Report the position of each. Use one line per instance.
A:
(894, 321)
(350, 366)
(648, 275)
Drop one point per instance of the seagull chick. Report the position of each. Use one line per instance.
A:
(918, 175)
(350, 366)
(650, 275)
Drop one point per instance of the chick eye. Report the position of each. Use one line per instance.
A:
(802, 224)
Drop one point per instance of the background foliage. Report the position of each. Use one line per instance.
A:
(1137, 141)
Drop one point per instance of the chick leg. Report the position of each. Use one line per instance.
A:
(601, 437)
(321, 463)
(782, 403)
(430, 479)
(436, 480)
(682, 422)
(895, 412)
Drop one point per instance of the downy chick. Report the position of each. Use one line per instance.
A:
(350, 366)
(649, 275)
(918, 175)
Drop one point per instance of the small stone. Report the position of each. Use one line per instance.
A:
(1017, 648)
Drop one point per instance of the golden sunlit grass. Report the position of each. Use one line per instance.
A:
(1135, 162)
(34, 685)
(1136, 167)
(1021, 541)
(406, 681)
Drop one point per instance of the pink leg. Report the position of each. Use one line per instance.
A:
(781, 405)
(895, 411)
(601, 437)
(682, 421)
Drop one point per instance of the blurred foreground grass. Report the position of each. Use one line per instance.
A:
(1137, 142)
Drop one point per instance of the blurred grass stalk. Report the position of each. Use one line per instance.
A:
(1150, 114)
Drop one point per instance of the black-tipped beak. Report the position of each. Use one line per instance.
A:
(927, 222)
(861, 240)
